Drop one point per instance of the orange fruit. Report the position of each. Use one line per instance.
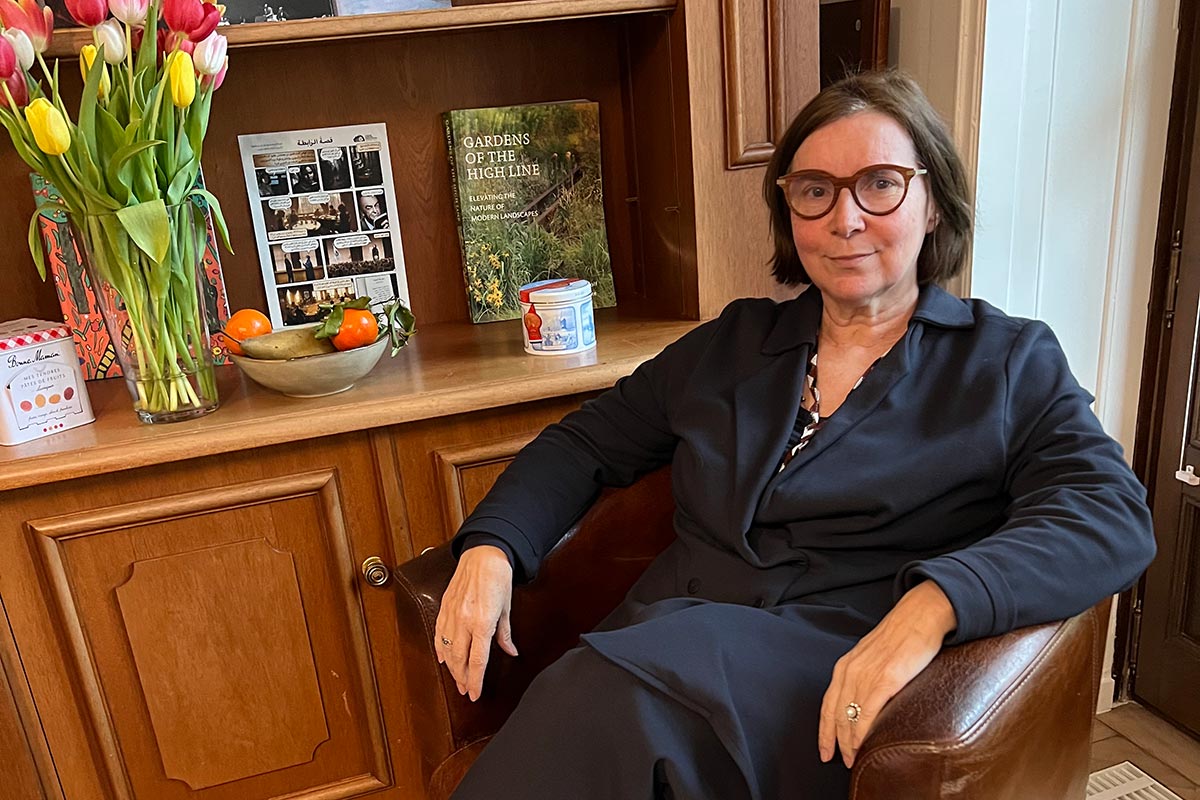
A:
(244, 324)
(359, 328)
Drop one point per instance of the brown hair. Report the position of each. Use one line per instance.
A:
(894, 93)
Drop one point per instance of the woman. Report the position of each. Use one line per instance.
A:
(934, 477)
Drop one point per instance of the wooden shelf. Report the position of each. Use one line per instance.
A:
(66, 42)
(448, 369)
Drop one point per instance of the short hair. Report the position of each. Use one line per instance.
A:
(890, 92)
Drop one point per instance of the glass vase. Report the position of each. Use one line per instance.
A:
(154, 310)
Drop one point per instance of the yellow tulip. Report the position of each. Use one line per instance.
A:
(182, 75)
(87, 57)
(49, 128)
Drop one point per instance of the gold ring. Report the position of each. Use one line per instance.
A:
(445, 641)
(853, 711)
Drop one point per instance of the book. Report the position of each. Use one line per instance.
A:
(529, 201)
(81, 311)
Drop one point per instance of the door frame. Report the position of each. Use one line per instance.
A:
(1181, 132)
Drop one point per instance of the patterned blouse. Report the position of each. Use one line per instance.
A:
(809, 419)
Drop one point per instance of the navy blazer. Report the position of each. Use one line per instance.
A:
(968, 456)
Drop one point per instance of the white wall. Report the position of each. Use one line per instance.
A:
(1072, 134)
(1076, 95)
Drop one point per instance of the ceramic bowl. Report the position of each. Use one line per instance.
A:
(313, 376)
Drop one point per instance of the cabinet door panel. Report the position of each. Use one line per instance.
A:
(198, 663)
(449, 464)
(218, 639)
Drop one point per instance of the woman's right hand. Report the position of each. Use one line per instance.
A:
(475, 607)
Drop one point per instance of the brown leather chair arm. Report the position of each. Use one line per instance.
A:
(593, 566)
(1004, 717)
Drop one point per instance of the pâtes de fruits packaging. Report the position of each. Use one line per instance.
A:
(41, 384)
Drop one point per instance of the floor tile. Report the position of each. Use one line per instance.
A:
(1116, 749)
(1100, 730)
(1156, 736)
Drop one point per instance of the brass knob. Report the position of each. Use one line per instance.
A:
(375, 572)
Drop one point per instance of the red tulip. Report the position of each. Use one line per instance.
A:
(209, 22)
(88, 13)
(191, 17)
(8, 59)
(28, 16)
(18, 90)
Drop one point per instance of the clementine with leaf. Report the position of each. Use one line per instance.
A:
(358, 329)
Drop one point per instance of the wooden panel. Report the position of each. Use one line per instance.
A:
(235, 729)
(19, 748)
(754, 79)
(429, 455)
(68, 42)
(732, 223)
(468, 472)
(218, 639)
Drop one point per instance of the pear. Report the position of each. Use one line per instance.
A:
(287, 343)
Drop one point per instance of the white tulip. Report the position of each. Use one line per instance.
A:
(209, 55)
(111, 34)
(20, 42)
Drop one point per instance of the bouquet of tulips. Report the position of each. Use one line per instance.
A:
(126, 167)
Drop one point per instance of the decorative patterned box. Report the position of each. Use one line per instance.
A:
(40, 380)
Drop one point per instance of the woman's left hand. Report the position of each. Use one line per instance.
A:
(880, 665)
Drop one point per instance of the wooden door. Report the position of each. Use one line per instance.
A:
(854, 36)
(201, 630)
(1165, 666)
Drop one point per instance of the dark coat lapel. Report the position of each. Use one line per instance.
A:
(765, 402)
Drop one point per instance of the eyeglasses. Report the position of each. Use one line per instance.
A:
(878, 189)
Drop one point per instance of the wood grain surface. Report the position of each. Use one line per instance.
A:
(448, 369)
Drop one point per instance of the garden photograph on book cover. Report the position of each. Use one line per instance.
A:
(530, 201)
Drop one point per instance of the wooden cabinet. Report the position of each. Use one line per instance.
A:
(201, 629)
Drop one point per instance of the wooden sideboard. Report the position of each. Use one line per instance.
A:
(183, 610)
(185, 614)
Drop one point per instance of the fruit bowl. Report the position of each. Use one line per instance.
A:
(313, 376)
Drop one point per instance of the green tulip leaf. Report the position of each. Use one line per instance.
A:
(149, 227)
(218, 217)
(35, 244)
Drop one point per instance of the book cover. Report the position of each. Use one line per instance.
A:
(81, 312)
(529, 201)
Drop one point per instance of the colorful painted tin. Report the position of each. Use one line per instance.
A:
(558, 317)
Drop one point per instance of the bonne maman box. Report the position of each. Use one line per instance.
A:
(41, 386)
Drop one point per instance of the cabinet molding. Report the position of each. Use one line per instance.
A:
(461, 489)
(755, 102)
(219, 625)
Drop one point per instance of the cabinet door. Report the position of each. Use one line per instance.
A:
(200, 630)
(448, 465)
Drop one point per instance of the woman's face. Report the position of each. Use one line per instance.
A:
(855, 259)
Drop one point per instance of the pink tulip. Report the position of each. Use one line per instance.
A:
(131, 12)
(216, 80)
(209, 54)
(18, 90)
(26, 15)
(88, 13)
(8, 59)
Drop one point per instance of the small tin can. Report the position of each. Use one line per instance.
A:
(558, 317)
(42, 385)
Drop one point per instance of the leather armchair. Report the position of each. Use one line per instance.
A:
(1000, 718)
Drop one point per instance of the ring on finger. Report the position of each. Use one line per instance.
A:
(853, 712)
